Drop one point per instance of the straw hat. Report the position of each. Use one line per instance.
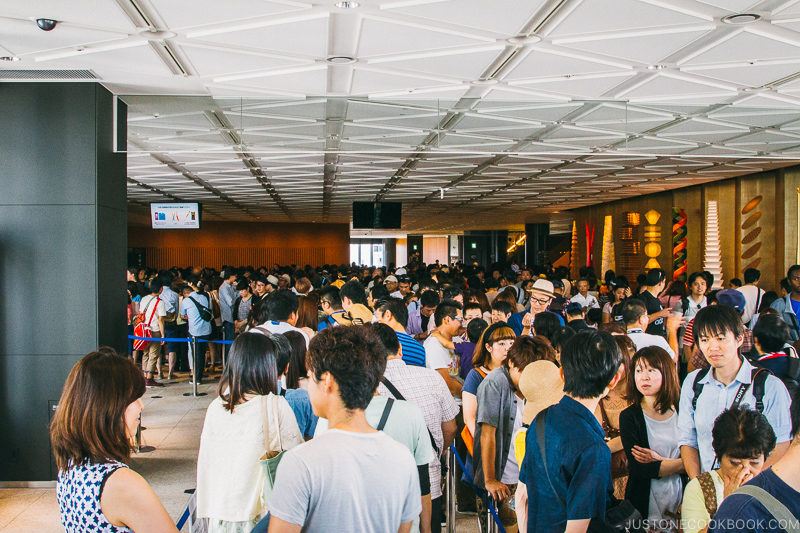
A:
(358, 315)
(542, 386)
(544, 287)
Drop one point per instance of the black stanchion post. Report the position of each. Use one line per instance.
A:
(452, 506)
(137, 442)
(195, 371)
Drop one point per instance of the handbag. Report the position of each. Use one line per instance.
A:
(141, 327)
(619, 461)
(622, 516)
(466, 435)
(271, 458)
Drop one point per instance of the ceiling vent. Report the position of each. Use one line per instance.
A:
(46, 75)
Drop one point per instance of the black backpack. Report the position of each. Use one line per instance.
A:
(792, 382)
(758, 378)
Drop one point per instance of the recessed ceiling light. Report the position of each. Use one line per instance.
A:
(741, 18)
(523, 40)
(656, 67)
(340, 60)
(483, 82)
(11, 59)
(345, 4)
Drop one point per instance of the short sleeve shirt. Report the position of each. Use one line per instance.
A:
(653, 305)
(436, 355)
(579, 464)
(149, 307)
(338, 480)
(197, 326)
(497, 406)
(743, 513)
(472, 382)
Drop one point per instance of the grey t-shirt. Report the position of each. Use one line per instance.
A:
(344, 481)
(497, 406)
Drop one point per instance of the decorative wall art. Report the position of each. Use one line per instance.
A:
(630, 246)
(751, 230)
(712, 258)
(679, 241)
(607, 260)
(652, 236)
(573, 252)
(589, 244)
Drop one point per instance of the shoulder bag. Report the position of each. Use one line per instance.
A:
(619, 461)
(142, 326)
(620, 517)
(271, 458)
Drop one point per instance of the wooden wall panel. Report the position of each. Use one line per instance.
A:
(435, 248)
(244, 244)
(779, 223)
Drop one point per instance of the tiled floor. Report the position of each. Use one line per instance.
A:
(173, 423)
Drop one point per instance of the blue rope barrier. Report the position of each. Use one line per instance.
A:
(183, 519)
(176, 339)
(489, 502)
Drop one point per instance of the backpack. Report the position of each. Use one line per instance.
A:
(141, 327)
(205, 313)
(792, 382)
(758, 378)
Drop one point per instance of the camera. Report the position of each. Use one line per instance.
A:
(46, 24)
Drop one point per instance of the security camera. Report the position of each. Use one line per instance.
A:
(46, 24)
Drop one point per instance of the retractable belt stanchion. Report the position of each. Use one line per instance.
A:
(224, 347)
(195, 369)
(450, 486)
(137, 439)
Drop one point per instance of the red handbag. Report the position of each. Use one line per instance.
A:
(141, 327)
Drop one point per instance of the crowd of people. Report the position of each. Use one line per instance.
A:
(573, 405)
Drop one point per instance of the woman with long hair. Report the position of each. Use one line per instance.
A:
(296, 375)
(649, 430)
(91, 434)
(490, 352)
(230, 478)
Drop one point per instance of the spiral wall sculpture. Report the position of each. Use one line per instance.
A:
(607, 260)
(712, 261)
(573, 251)
(679, 257)
(750, 232)
(589, 244)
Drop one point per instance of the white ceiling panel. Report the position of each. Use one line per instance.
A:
(627, 95)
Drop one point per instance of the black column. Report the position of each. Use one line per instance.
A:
(413, 246)
(63, 241)
(536, 243)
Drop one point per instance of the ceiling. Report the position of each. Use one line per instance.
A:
(474, 113)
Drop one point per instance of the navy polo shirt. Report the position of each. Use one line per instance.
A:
(579, 463)
(742, 513)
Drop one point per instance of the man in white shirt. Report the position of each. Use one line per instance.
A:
(583, 297)
(438, 356)
(352, 477)
(634, 314)
(753, 294)
(278, 314)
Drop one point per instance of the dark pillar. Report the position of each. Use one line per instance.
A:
(63, 242)
(390, 252)
(536, 243)
(413, 246)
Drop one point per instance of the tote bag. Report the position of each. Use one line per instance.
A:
(271, 458)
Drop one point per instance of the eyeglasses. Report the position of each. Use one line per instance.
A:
(541, 301)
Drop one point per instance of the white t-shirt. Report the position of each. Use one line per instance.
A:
(588, 301)
(642, 340)
(511, 471)
(345, 481)
(436, 355)
(666, 492)
(273, 326)
(752, 295)
(147, 305)
(229, 476)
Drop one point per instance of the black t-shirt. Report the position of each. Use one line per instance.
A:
(657, 326)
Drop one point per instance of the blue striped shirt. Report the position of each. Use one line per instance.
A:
(413, 352)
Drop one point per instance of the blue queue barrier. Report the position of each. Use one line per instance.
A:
(177, 339)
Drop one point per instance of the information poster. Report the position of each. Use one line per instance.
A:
(175, 215)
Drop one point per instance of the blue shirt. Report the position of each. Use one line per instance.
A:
(170, 298)
(471, 382)
(465, 351)
(301, 405)
(197, 326)
(694, 427)
(515, 320)
(795, 306)
(413, 351)
(329, 321)
(579, 463)
(742, 513)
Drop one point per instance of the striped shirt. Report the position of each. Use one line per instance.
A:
(413, 352)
